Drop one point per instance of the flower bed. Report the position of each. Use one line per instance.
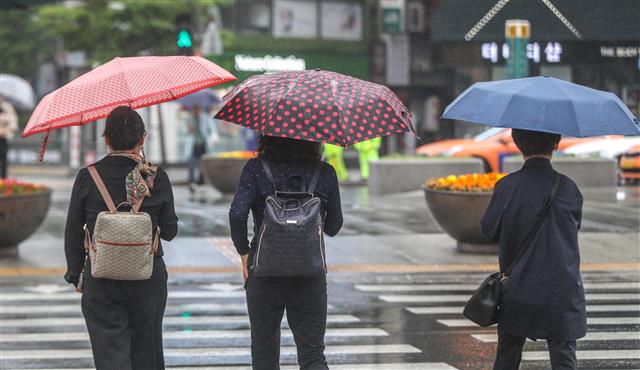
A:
(23, 208)
(457, 203)
(473, 182)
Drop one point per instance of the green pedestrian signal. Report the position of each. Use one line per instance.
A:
(184, 39)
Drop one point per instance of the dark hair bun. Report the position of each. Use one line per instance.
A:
(124, 128)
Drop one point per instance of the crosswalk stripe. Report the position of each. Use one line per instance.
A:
(621, 354)
(458, 309)
(591, 336)
(364, 366)
(191, 334)
(463, 323)
(472, 286)
(168, 320)
(51, 354)
(465, 297)
(377, 366)
(72, 296)
(75, 308)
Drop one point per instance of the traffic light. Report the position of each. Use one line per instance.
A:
(184, 40)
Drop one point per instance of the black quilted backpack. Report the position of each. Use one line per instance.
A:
(291, 241)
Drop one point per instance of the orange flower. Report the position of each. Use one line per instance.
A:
(473, 182)
(13, 186)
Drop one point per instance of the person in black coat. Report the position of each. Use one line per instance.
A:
(304, 298)
(543, 298)
(124, 318)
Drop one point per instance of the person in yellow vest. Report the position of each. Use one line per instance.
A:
(334, 157)
(368, 151)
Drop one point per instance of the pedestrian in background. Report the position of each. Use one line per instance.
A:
(368, 151)
(8, 128)
(304, 298)
(543, 297)
(202, 136)
(124, 318)
(335, 157)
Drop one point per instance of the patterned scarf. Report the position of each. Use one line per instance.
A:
(136, 185)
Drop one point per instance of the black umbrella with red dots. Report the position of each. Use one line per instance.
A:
(316, 105)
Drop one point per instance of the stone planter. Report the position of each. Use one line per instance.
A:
(459, 215)
(222, 173)
(585, 172)
(408, 174)
(20, 216)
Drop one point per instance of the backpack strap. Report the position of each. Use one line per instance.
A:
(314, 179)
(267, 172)
(101, 188)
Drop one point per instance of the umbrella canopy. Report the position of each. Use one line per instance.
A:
(316, 105)
(544, 104)
(205, 99)
(137, 82)
(17, 91)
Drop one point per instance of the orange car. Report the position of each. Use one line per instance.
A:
(492, 149)
(630, 165)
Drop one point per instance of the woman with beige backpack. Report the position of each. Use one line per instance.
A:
(120, 207)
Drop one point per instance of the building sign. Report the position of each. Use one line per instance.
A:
(295, 19)
(552, 52)
(620, 51)
(268, 63)
(392, 16)
(341, 20)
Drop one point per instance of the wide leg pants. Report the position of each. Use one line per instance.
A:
(509, 353)
(124, 319)
(305, 301)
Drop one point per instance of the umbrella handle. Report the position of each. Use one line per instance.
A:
(43, 148)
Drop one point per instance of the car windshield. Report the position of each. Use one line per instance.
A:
(489, 133)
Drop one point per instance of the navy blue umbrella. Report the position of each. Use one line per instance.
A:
(544, 104)
(202, 98)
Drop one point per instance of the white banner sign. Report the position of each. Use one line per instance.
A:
(295, 19)
(341, 20)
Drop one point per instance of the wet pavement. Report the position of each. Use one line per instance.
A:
(396, 289)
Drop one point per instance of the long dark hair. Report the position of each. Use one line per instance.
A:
(278, 149)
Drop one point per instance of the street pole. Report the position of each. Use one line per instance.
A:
(517, 32)
(163, 152)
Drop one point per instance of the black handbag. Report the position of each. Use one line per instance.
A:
(291, 241)
(483, 306)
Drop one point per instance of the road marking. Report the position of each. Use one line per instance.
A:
(168, 320)
(239, 308)
(50, 354)
(194, 334)
(72, 296)
(464, 323)
(623, 354)
(376, 366)
(458, 309)
(465, 297)
(473, 286)
(226, 248)
(374, 268)
(591, 336)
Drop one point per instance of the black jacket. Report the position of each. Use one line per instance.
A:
(544, 297)
(86, 203)
(253, 189)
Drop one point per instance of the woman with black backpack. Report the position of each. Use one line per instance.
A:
(294, 199)
(123, 308)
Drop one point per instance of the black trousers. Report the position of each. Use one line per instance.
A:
(305, 300)
(124, 319)
(562, 354)
(4, 149)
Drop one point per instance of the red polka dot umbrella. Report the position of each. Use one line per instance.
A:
(316, 106)
(137, 82)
